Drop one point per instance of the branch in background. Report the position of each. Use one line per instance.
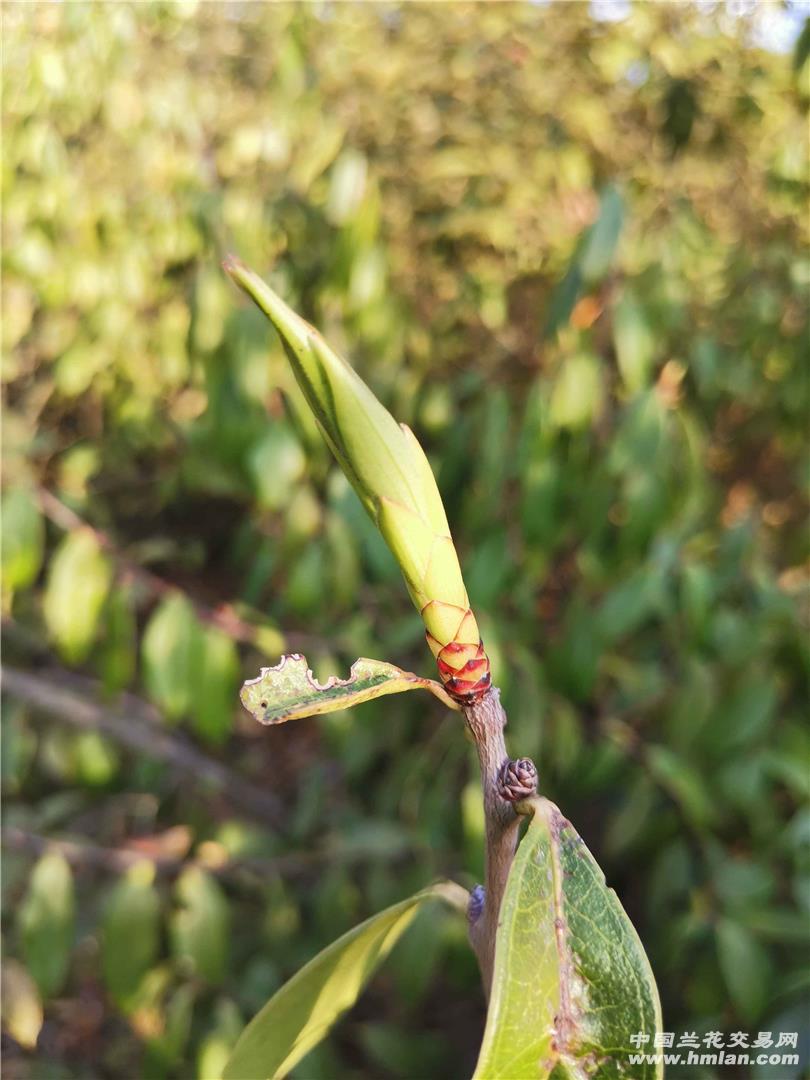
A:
(137, 726)
(117, 860)
(224, 617)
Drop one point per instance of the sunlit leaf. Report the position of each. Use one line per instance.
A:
(290, 691)
(306, 1007)
(23, 537)
(172, 651)
(576, 399)
(218, 1043)
(79, 577)
(571, 983)
(21, 1005)
(634, 340)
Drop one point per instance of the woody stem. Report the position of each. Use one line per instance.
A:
(486, 720)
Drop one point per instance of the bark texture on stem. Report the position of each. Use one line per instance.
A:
(486, 720)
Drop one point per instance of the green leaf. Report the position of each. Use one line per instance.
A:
(746, 968)
(201, 926)
(171, 650)
(600, 244)
(634, 340)
(130, 932)
(298, 1016)
(276, 463)
(373, 450)
(214, 703)
(290, 691)
(118, 651)
(79, 577)
(46, 920)
(684, 783)
(571, 982)
(576, 399)
(216, 1046)
(23, 538)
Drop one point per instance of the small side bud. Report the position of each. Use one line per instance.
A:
(475, 905)
(517, 780)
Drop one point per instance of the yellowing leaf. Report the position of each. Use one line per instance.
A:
(298, 1016)
(571, 982)
(289, 691)
(22, 1009)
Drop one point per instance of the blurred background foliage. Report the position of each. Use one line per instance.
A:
(568, 246)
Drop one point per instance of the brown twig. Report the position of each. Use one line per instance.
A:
(117, 860)
(486, 720)
(136, 724)
(224, 617)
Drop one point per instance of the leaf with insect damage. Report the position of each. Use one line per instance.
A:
(571, 984)
(289, 690)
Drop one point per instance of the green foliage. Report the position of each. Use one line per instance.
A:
(301, 1013)
(77, 586)
(289, 691)
(572, 982)
(201, 925)
(47, 923)
(635, 549)
(22, 541)
(130, 932)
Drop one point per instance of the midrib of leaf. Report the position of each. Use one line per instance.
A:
(566, 1023)
(560, 929)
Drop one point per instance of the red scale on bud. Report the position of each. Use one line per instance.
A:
(464, 669)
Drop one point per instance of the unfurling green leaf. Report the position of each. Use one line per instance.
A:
(300, 1014)
(289, 691)
(571, 983)
(391, 474)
